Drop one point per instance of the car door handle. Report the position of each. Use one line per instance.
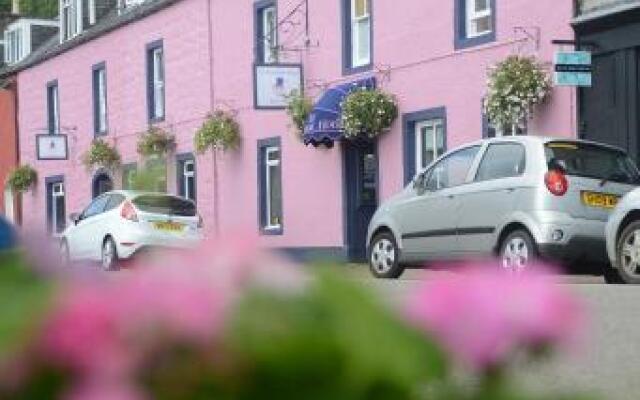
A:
(511, 190)
(451, 196)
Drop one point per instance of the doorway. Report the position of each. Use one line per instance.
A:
(102, 183)
(360, 170)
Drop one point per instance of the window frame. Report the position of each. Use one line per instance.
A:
(264, 199)
(100, 99)
(433, 122)
(261, 39)
(409, 121)
(349, 65)
(51, 184)
(182, 177)
(53, 107)
(485, 153)
(68, 31)
(462, 39)
(154, 84)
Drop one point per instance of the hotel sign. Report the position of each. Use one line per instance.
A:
(573, 68)
(274, 83)
(52, 147)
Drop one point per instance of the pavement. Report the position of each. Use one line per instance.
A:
(607, 364)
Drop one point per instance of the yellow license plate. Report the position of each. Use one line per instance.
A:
(599, 200)
(168, 226)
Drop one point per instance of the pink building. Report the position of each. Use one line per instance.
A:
(170, 62)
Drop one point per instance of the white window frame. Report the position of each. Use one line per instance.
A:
(102, 100)
(434, 122)
(71, 21)
(356, 23)
(92, 12)
(158, 83)
(187, 175)
(269, 35)
(57, 192)
(472, 16)
(124, 5)
(267, 184)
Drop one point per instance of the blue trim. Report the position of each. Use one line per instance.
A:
(461, 41)
(48, 183)
(100, 173)
(180, 160)
(258, 8)
(262, 193)
(50, 112)
(96, 93)
(347, 61)
(149, 48)
(409, 122)
(315, 254)
(126, 168)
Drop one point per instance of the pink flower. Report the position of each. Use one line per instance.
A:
(103, 390)
(483, 315)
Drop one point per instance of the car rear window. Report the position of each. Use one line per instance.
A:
(167, 205)
(592, 161)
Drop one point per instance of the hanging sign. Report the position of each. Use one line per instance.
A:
(573, 68)
(274, 82)
(52, 147)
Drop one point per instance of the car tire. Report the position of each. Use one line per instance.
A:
(109, 255)
(65, 254)
(626, 262)
(518, 251)
(384, 257)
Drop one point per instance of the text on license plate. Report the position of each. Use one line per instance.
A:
(600, 200)
(169, 226)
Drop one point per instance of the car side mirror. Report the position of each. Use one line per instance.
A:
(418, 181)
(75, 218)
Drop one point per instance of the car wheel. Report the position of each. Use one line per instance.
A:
(518, 251)
(384, 256)
(109, 255)
(628, 255)
(65, 255)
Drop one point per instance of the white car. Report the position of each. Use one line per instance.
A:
(623, 241)
(118, 224)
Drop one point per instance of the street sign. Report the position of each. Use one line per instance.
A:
(52, 147)
(573, 68)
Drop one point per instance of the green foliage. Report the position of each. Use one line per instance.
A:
(155, 142)
(515, 86)
(368, 113)
(153, 178)
(39, 8)
(220, 131)
(298, 108)
(101, 154)
(22, 178)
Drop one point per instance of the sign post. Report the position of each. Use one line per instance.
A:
(573, 68)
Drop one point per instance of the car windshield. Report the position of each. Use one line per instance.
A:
(592, 161)
(167, 205)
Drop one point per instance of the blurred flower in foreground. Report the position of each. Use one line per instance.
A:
(483, 316)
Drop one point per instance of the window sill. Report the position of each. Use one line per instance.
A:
(348, 70)
(156, 120)
(99, 134)
(271, 231)
(462, 43)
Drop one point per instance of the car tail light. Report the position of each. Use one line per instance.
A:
(556, 182)
(128, 212)
(200, 222)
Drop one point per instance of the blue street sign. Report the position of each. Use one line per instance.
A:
(573, 68)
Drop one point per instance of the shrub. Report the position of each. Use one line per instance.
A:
(298, 108)
(101, 154)
(22, 178)
(155, 142)
(219, 131)
(368, 112)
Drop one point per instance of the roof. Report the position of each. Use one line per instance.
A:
(110, 22)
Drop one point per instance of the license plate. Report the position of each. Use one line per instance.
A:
(169, 226)
(599, 200)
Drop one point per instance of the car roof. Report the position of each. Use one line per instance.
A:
(136, 193)
(533, 139)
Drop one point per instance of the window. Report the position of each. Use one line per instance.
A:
(96, 207)
(155, 81)
(126, 5)
(270, 186)
(474, 22)
(502, 160)
(53, 108)
(56, 214)
(129, 172)
(114, 201)
(187, 177)
(16, 48)
(100, 99)
(490, 130)
(266, 32)
(451, 171)
(357, 40)
(70, 19)
(429, 142)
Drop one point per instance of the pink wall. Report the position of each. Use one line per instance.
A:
(414, 58)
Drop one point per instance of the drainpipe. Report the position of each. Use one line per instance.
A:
(216, 197)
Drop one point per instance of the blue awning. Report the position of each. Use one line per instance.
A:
(324, 125)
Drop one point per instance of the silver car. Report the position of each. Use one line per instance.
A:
(623, 241)
(517, 198)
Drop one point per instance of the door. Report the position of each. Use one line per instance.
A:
(428, 218)
(83, 240)
(361, 194)
(102, 183)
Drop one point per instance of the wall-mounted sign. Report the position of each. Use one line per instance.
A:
(273, 83)
(573, 68)
(52, 147)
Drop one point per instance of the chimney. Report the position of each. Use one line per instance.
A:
(15, 7)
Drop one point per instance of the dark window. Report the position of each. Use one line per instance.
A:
(266, 29)
(114, 201)
(56, 209)
(270, 185)
(451, 171)
(100, 99)
(475, 22)
(502, 160)
(425, 139)
(156, 81)
(186, 173)
(96, 207)
(166, 205)
(53, 108)
(357, 35)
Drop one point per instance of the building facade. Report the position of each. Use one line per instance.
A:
(168, 63)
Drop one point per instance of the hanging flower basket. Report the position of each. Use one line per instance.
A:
(515, 86)
(22, 178)
(298, 108)
(368, 113)
(155, 142)
(101, 155)
(220, 131)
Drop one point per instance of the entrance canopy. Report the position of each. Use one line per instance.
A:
(324, 125)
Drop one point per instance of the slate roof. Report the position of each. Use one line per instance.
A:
(108, 23)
